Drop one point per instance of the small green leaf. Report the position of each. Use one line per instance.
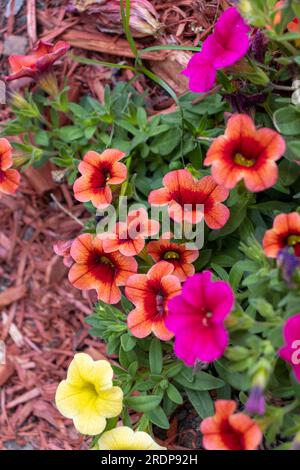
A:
(155, 356)
(174, 394)
(143, 403)
(202, 402)
(158, 416)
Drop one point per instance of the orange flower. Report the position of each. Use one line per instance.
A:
(38, 62)
(9, 178)
(95, 269)
(285, 232)
(99, 171)
(228, 431)
(129, 237)
(175, 254)
(278, 14)
(150, 294)
(294, 27)
(245, 153)
(185, 195)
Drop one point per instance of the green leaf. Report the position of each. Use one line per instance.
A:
(158, 416)
(287, 120)
(42, 138)
(70, 133)
(235, 379)
(201, 382)
(174, 394)
(128, 342)
(155, 356)
(144, 403)
(202, 402)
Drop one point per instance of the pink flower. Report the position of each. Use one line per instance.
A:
(63, 248)
(291, 351)
(196, 317)
(227, 45)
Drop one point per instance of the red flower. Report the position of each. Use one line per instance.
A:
(285, 232)
(150, 294)
(95, 269)
(246, 153)
(63, 248)
(294, 27)
(228, 431)
(99, 171)
(38, 62)
(184, 195)
(175, 254)
(9, 178)
(129, 237)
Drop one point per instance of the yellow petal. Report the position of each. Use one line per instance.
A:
(71, 400)
(83, 369)
(124, 438)
(89, 422)
(110, 402)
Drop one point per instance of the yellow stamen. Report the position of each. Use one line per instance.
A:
(243, 161)
(171, 255)
(293, 240)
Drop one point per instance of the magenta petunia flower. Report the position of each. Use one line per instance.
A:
(291, 351)
(196, 317)
(227, 45)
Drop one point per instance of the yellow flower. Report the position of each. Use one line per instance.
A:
(124, 438)
(87, 395)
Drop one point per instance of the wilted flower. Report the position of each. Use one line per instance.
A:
(150, 294)
(99, 172)
(143, 16)
(284, 233)
(176, 254)
(187, 198)
(227, 430)
(244, 153)
(289, 265)
(38, 64)
(63, 248)
(9, 178)
(88, 396)
(124, 438)
(197, 316)
(95, 269)
(227, 45)
(291, 351)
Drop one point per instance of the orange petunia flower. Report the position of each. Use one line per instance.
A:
(294, 27)
(38, 62)
(129, 237)
(246, 153)
(95, 269)
(227, 430)
(9, 178)
(184, 196)
(176, 254)
(99, 171)
(150, 294)
(285, 232)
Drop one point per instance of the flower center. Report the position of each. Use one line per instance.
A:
(160, 304)
(107, 261)
(171, 255)
(205, 320)
(294, 241)
(243, 161)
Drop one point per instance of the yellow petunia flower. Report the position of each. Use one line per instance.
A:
(87, 395)
(124, 438)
